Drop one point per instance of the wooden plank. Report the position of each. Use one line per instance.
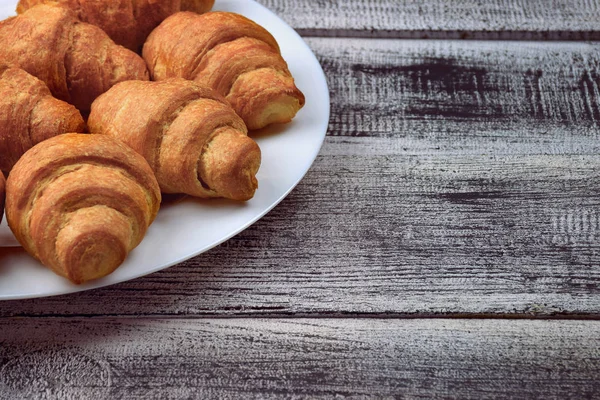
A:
(465, 95)
(488, 205)
(444, 19)
(322, 358)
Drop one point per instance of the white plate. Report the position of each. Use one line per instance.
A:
(189, 227)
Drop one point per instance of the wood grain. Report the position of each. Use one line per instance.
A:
(252, 358)
(466, 96)
(443, 19)
(428, 197)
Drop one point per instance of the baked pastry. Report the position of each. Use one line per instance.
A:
(77, 61)
(190, 136)
(231, 54)
(80, 203)
(197, 6)
(29, 114)
(2, 194)
(127, 22)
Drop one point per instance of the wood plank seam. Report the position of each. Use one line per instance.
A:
(558, 36)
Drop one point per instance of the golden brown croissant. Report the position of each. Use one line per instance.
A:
(233, 55)
(190, 136)
(77, 61)
(127, 22)
(81, 203)
(29, 114)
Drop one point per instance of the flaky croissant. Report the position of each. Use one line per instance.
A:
(127, 22)
(80, 203)
(190, 136)
(77, 61)
(231, 54)
(29, 114)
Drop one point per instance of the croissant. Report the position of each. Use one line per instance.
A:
(231, 54)
(190, 136)
(127, 22)
(29, 114)
(77, 61)
(80, 203)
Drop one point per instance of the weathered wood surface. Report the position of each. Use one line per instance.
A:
(322, 358)
(444, 19)
(477, 97)
(458, 177)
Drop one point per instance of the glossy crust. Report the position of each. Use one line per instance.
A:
(190, 136)
(81, 203)
(77, 61)
(127, 22)
(29, 114)
(231, 54)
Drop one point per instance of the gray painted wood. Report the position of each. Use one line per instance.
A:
(444, 19)
(110, 358)
(470, 96)
(428, 197)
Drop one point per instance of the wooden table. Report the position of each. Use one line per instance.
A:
(445, 244)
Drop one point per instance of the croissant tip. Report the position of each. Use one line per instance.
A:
(93, 243)
(280, 111)
(229, 165)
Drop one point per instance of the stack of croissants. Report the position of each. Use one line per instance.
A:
(107, 104)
